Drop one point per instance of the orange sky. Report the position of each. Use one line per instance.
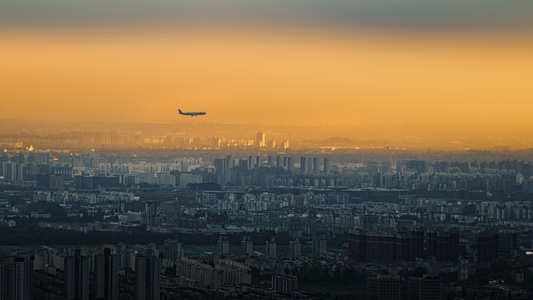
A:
(269, 76)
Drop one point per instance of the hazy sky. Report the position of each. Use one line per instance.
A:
(447, 66)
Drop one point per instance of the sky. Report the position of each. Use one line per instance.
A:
(443, 68)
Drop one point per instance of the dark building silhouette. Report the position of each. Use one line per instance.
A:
(271, 248)
(319, 246)
(496, 244)
(417, 244)
(303, 165)
(444, 246)
(247, 246)
(295, 249)
(357, 246)
(106, 267)
(487, 246)
(16, 277)
(326, 166)
(403, 244)
(76, 276)
(173, 252)
(424, 288)
(383, 288)
(387, 247)
(507, 244)
(94, 182)
(147, 280)
(316, 165)
(223, 245)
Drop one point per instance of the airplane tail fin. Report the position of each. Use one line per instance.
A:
(179, 110)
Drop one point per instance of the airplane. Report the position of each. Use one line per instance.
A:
(191, 113)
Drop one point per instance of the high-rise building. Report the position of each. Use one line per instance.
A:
(147, 280)
(383, 288)
(464, 269)
(444, 246)
(106, 267)
(76, 276)
(284, 284)
(507, 243)
(326, 166)
(15, 278)
(250, 162)
(247, 246)
(386, 247)
(271, 161)
(303, 165)
(319, 246)
(270, 248)
(316, 165)
(403, 247)
(417, 243)
(290, 164)
(295, 249)
(221, 170)
(260, 140)
(279, 162)
(487, 246)
(426, 287)
(173, 252)
(222, 246)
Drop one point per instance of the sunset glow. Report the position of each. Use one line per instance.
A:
(446, 83)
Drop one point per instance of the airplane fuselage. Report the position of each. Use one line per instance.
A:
(191, 113)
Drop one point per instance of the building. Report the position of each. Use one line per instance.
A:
(147, 280)
(316, 165)
(222, 245)
(106, 267)
(16, 278)
(303, 165)
(507, 244)
(284, 284)
(417, 244)
(173, 252)
(270, 248)
(247, 246)
(76, 276)
(464, 269)
(383, 288)
(295, 249)
(426, 287)
(219, 273)
(487, 242)
(403, 247)
(326, 166)
(319, 246)
(416, 165)
(443, 245)
(260, 139)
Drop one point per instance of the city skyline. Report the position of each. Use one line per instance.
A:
(362, 149)
(431, 71)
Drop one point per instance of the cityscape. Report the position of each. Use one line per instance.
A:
(257, 220)
(237, 149)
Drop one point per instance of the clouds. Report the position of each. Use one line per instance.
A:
(389, 14)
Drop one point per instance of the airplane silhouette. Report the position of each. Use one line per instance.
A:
(191, 113)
